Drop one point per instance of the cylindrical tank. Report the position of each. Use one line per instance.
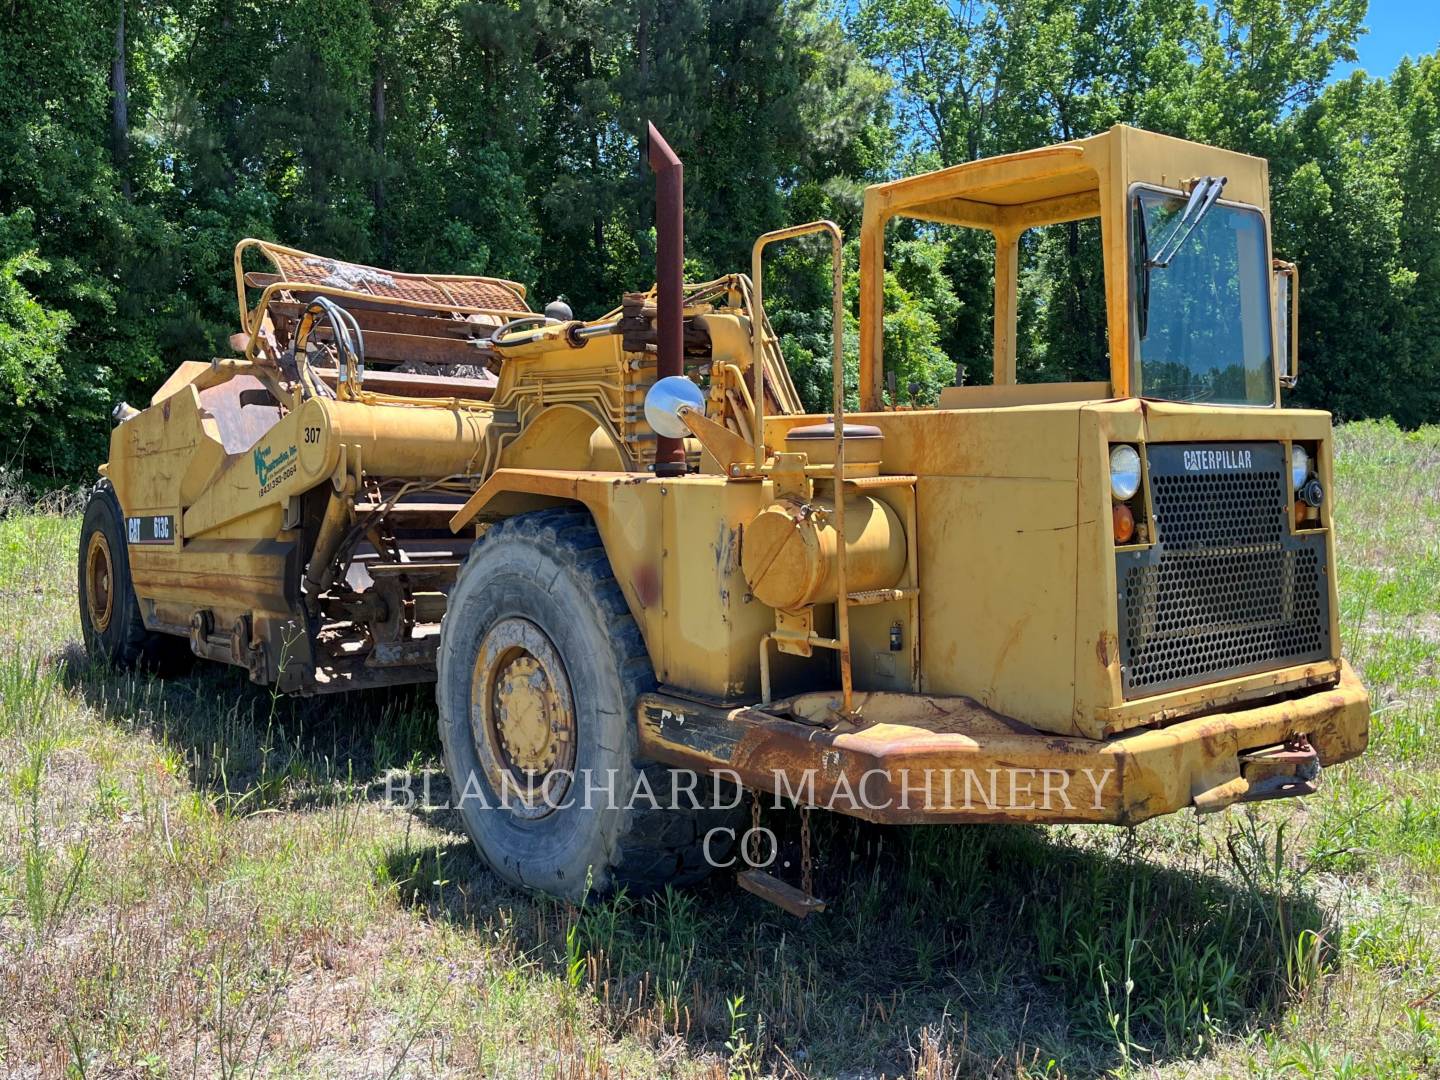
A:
(864, 443)
(788, 552)
(408, 441)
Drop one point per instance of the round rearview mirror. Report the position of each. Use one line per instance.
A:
(666, 400)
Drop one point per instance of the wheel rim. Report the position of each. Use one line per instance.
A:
(99, 581)
(522, 718)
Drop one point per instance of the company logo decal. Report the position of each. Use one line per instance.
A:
(273, 469)
(154, 529)
(1216, 460)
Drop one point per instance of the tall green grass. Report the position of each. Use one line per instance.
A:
(197, 877)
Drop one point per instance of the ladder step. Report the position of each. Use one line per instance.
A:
(780, 893)
(893, 480)
(882, 596)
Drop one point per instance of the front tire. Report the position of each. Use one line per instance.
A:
(110, 621)
(540, 666)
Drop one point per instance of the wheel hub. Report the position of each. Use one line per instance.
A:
(522, 718)
(528, 715)
(99, 581)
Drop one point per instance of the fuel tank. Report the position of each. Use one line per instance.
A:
(788, 555)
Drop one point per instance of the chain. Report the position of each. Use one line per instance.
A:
(806, 875)
(754, 838)
(807, 863)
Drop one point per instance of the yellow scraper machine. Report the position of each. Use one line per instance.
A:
(643, 578)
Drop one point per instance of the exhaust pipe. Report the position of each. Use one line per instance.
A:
(669, 282)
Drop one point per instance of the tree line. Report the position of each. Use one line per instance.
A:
(139, 139)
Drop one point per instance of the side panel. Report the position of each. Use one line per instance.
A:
(627, 515)
(227, 577)
(674, 547)
(711, 625)
(997, 546)
(997, 597)
(154, 455)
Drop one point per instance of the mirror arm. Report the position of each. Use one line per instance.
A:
(1290, 270)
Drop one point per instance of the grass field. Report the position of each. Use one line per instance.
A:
(199, 879)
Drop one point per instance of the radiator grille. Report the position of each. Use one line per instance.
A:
(1226, 589)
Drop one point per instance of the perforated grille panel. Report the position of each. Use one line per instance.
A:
(1226, 589)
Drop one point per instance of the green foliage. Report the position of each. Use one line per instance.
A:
(30, 335)
(919, 298)
(503, 138)
(1359, 212)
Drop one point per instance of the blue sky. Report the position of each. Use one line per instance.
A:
(1397, 28)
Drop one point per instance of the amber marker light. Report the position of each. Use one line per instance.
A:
(1124, 523)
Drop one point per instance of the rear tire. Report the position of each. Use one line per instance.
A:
(540, 666)
(110, 621)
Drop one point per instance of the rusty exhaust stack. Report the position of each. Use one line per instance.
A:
(669, 281)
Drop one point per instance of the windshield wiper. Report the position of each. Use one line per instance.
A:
(1143, 238)
(1202, 198)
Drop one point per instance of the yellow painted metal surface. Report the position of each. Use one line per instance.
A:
(980, 624)
(683, 579)
(1006, 195)
(791, 549)
(1014, 546)
(913, 759)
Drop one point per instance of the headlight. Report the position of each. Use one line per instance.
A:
(1299, 466)
(1124, 473)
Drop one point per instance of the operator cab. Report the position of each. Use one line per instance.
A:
(1196, 309)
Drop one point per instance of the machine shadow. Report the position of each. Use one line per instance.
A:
(998, 944)
(244, 745)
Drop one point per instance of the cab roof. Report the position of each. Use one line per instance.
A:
(1065, 182)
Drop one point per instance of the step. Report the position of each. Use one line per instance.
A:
(866, 483)
(780, 893)
(414, 515)
(881, 596)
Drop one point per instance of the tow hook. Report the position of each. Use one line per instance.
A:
(1267, 772)
(1274, 772)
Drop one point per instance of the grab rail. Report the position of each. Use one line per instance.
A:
(758, 323)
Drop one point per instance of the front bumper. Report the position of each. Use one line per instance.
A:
(912, 758)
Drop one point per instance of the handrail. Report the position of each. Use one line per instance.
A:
(758, 321)
(758, 324)
(254, 319)
(1291, 352)
(438, 281)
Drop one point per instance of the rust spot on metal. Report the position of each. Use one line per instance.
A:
(1011, 639)
(647, 585)
(895, 741)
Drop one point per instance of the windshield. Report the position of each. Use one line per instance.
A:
(1204, 335)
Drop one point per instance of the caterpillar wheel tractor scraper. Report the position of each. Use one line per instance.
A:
(632, 563)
